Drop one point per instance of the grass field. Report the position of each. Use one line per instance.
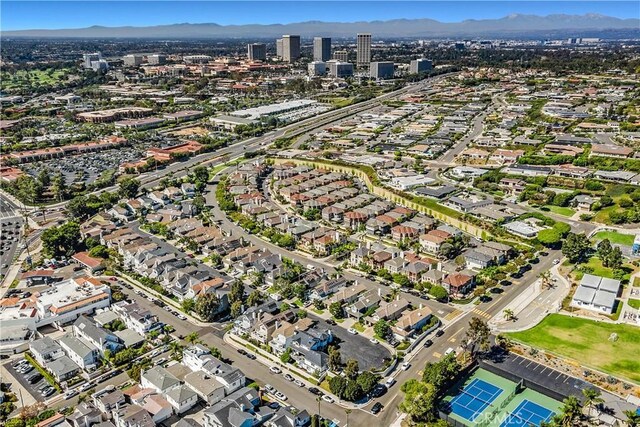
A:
(587, 342)
(23, 78)
(603, 214)
(615, 237)
(560, 210)
(595, 264)
(634, 303)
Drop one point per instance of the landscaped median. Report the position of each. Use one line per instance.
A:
(46, 375)
(422, 204)
(608, 347)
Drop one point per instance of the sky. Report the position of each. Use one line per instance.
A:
(18, 15)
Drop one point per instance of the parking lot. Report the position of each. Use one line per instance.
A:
(358, 347)
(32, 389)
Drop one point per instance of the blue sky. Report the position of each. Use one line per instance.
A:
(77, 14)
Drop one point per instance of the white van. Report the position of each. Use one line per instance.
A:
(449, 351)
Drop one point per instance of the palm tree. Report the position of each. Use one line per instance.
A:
(591, 398)
(508, 314)
(571, 412)
(347, 411)
(545, 276)
(176, 350)
(633, 418)
(192, 338)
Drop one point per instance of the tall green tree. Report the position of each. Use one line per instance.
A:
(129, 187)
(576, 247)
(62, 240)
(477, 336)
(419, 401)
(208, 307)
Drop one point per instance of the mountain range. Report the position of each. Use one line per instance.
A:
(517, 25)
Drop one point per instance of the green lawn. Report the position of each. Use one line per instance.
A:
(587, 342)
(615, 237)
(634, 303)
(560, 210)
(599, 270)
(603, 214)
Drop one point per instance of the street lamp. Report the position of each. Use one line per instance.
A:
(318, 399)
(347, 411)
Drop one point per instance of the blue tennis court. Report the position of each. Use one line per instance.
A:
(474, 399)
(527, 414)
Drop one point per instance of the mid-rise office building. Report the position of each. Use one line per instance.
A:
(88, 58)
(100, 65)
(341, 55)
(157, 59)
(257, 51)
(321, 48)
(381, 70)
(196, 59)
(340, 69)
(290, 48)
(363, 49)
(132, 60)
(420, 65)
(279, 48)
(317, 68)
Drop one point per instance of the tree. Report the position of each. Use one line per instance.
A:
(176, 350)
(236, 309)
(188, 304)
(286, 356)
(254, 298)
(62, 240)
(129, 187)
(201, 174)
(419, 400)
(508, 314)
(440, 374)
(335, 358)
(382, 329)
(545, 280)
(353, 391)
(603, 250)
(614, 260)
(575, 247)
(44, 177)
(59, 186)
(207, 307)
(367, 381)
(549, 237)
(439, 293)
(336, 310)
(237, 291)
(192, 338)
(570, 413)
(351, 369)
(592, 398)
(477, 336)
(338, 385)
(99, 251)
(633, 418)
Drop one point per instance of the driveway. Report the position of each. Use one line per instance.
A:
(356, 347)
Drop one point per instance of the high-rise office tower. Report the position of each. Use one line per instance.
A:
(257, 51)
(290, 48)
(341, 55)
(381, 70)
(321, 48)
(363, 57)
(279, 48)
(420, 65)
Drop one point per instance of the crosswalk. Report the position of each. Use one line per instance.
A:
(480, 313)
(455, 313)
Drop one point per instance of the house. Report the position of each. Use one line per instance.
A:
(159, 379)
(182, 398)
(412, 322)
(136, 317)
(108, 400)
(205, 386)
(333, 214)
(458, 284)
(45, 350)
(403, 232)
(132, 416)
(391, 310)
(431, 242)
(63, 368)
(477, 260)
(91, 264)
(157, 406)
(583, 202)
(395, 265)
(85, 415)
(435, 277)
(415, 270)
(38, 277)
(610, 150)
(289, 417)
(188, 189)
(503, 156)
(378, 259)
(99, 338)
(327, 287)
(597, 294)
(348, 294)
(366, 301)
(238, 410)
(80, 352)
(360, 256)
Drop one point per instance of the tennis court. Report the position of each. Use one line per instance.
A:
(474, 399)
(527, 414)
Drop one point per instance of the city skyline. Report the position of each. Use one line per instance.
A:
(21, 15)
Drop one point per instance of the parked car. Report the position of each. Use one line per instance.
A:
(375, 409)
(314, 390)
(242, 351)
(406, 366)
(85, 387)
(251, 356)
(327, 398)
(389, 382)
(288, 377)
(269, 388)
(70, 394)
(281, 395)
(439, 333)
(275, 370)
(373, 341)
(428, 343)
(378, 390)
(34, 378)
(298, 383)
(352, 331)
(331, 322)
